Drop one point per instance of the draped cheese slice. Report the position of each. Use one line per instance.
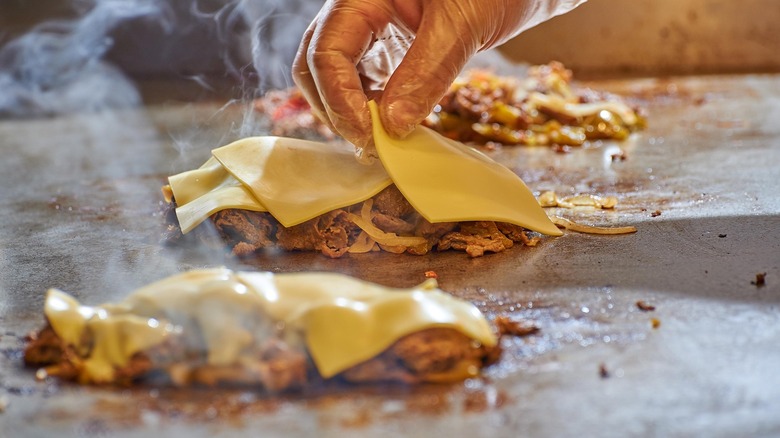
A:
(341, 320)
(204, 191)
(298, 180)
(447, 181)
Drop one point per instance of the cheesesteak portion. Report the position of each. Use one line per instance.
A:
(397, 228)
(275, 332)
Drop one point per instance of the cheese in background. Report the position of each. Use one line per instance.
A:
(341, 320)
(447, 181)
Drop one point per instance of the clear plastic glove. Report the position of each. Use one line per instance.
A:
(411, 49)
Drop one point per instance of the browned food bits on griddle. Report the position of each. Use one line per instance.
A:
(603, 371)
(431, 274)
(655, 323)
(655, 213)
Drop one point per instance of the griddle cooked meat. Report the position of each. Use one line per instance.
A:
(431, 355)
(330, 234)
(245, 231)
(276, 367)
(543, 108)
(436, 354)
(290, 115)
(476, 238)
(335, 233)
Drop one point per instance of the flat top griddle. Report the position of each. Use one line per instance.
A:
(80, 209)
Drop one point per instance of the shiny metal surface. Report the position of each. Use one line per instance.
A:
(79, 210)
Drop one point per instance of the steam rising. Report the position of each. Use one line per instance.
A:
(277, 27)
(57, 68)
(98, 184)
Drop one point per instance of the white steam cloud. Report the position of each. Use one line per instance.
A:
(59, 66)
(277, 27)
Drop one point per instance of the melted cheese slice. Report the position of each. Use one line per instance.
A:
(298, 180)
(341, 320)
(447, 181)
(204, 191)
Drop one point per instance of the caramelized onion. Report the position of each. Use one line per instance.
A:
(589, 229)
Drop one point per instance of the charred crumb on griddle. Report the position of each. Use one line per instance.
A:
(508, 326)
(603, 371)
(619, 156)
(644, 306)
(655, 213)
(760, 280)
(722, 235)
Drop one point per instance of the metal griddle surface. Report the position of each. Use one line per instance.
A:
(79, 210)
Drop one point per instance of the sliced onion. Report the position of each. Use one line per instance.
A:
(382, 238)
(363, 244)
(589, 229)
(578, 110)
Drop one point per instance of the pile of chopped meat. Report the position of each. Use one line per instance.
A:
(542, 109)
(386, 222)
(290, 115)
(482, 107)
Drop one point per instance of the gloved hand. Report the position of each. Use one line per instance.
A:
(353, 46)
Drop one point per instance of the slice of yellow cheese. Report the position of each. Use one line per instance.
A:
(342, 321)
(346, 321)
(204, 191)
(447, 181)
(298, 180)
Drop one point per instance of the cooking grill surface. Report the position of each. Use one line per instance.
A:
(80, 210)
